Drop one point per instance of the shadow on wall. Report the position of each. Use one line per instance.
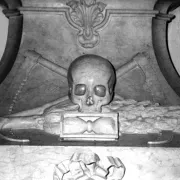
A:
(3, 32)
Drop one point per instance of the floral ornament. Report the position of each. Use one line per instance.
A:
(87, 166)
(85, 17)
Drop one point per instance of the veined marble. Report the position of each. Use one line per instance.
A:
(38, 162)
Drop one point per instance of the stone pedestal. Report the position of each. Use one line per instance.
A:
(38, 162)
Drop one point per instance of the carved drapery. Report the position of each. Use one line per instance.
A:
(87, 165)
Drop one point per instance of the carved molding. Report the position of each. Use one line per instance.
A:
(88, 19)
(89, 166)
(11, 12)
(108, 12)
(165, 17)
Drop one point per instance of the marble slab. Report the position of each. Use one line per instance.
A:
(38, 162)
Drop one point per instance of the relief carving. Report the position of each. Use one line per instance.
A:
(88, 166)
(32, 59)
(85, 17)
(91, 80)
(88, 126)
(88, 17)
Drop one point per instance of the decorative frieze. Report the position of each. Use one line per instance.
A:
(88, 18)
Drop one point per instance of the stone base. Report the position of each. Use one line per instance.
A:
(38, 162)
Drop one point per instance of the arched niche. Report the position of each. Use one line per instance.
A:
(15, 20)
(160, 25)
(3, 32)
(174, 39)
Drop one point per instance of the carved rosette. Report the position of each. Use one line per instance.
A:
(85, 16)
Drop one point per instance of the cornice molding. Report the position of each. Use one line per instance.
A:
(165, 17)
(59, 10)
(11, 12)
(96, 18)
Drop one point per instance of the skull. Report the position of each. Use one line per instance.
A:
(91, 80)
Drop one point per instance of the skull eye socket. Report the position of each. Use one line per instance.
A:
(80, 89)
(100, 90)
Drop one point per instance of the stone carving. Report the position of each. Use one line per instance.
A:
(86, 16)
(139, 60)
(146, 117)
(49, 116)
(74, 125)
(33, 58)
(135, 117)
(29, 68)
(91, 81)
(89, 166)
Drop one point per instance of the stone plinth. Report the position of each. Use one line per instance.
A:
(38, 162)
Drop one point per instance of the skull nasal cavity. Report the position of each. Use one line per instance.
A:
(89, 101)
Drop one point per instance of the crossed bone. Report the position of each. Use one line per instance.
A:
(33, 58)
(139, 60)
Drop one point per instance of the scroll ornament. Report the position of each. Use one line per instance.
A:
(86, 17)
(87, 166)
(78, 125)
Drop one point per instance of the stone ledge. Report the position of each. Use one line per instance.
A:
(37, 163)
